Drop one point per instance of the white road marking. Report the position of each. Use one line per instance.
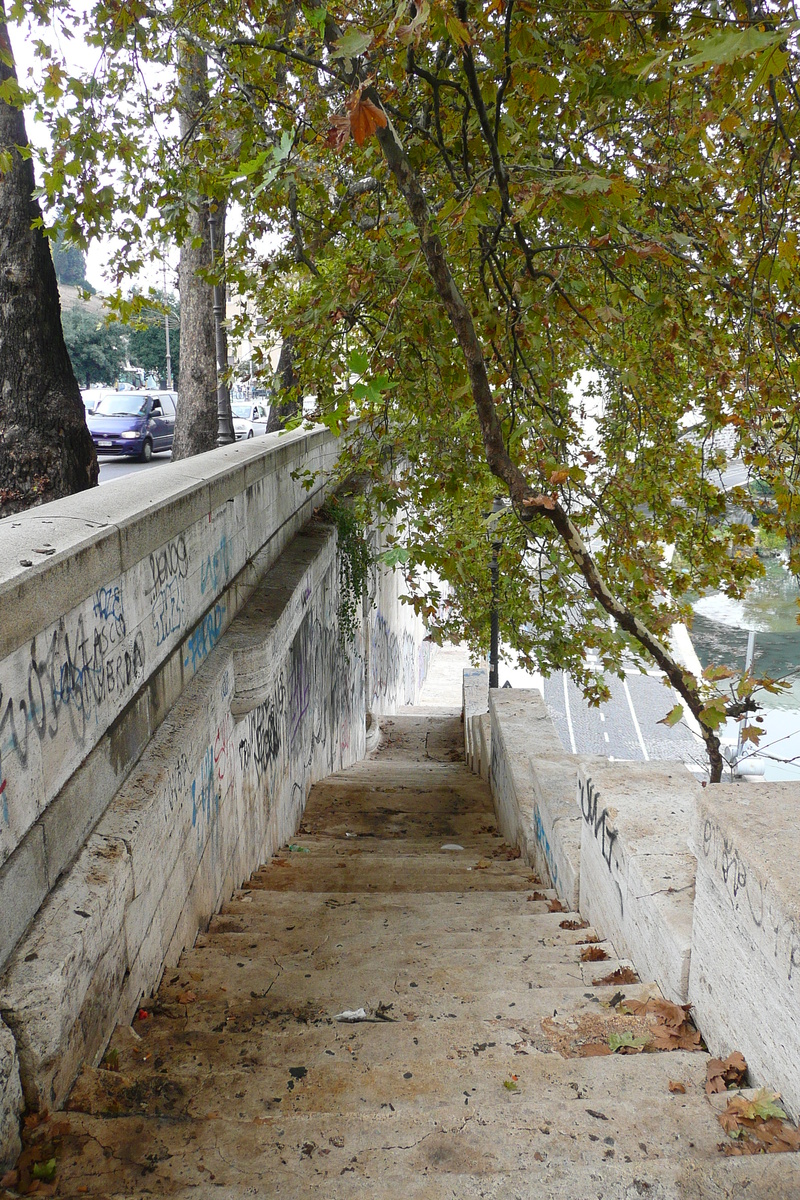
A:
(636, 725)
(569, 715)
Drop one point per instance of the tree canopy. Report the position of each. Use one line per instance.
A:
(549, 250)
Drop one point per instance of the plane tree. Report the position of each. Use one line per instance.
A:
(45, 448)
(546, 250)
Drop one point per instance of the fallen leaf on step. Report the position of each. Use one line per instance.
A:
(482, 864)
(280, 862)
(186, 998)
(556, 906)
(627, 1043)
(722, 1074)
(671, 1026)
(613, 978)
(537, 896)
(593, 954)
(758, 1125)
(594, 1050)
(573, 924)
(677, 1088)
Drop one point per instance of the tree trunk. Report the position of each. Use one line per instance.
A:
(288, 402)
(45, 447)
(196, 424)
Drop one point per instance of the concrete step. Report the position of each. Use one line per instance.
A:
(386, 872)
(513, 1138)
(365, 1069)
(450, 911)
(428, 968)
(769, 1177)
(306, 946)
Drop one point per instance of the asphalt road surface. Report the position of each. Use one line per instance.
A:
(112, 467)
(626, 727)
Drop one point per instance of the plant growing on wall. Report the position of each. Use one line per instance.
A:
(355, 562)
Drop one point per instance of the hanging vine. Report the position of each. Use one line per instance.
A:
(355, 560)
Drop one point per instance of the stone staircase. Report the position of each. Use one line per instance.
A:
(482, 1068)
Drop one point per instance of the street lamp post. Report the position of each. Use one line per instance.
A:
(496, 542)
(225, 434)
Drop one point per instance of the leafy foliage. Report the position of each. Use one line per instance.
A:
(556, 245)
(355, 562)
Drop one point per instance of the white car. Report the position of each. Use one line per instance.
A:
(249, 419)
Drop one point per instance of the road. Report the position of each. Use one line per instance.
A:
(112, 467)
(626, 727)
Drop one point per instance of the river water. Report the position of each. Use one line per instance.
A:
(719, 633)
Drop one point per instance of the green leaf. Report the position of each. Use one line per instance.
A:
(764, 1105)
(352, 43)
(713, 674)
(458, 31)
(394, 556)
(316, 17)
(46, 1171)
(358, 362)
(673, 716)
(626, 1041)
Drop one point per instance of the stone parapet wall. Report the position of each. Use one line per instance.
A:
(111, 601)
(744, 980)
(172, 683)
(698, 886)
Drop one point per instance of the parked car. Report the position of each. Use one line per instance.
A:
(249, 419)
(133, 423)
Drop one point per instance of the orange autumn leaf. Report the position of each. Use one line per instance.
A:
(365, 118)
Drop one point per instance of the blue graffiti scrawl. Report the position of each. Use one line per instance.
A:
(205, 637)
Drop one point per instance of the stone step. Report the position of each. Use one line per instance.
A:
(515, 1136)
(244, 967)
(386, 872)
(402, 841)
(364, 1069)
(447, 911)
(768, 1177)
(569, 1017)
(430, 983)
(337, 820)
(302, 944)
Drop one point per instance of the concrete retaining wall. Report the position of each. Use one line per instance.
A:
(744, 981)
(699, 887)
(172, 682)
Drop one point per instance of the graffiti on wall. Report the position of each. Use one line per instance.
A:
(166, 587)
(56, 691)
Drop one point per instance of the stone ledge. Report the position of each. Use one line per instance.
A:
(745, 971)
(637, 874)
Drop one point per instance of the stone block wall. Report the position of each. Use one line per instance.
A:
(698, 886)
(162, 718)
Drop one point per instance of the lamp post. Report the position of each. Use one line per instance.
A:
(225, 434)
(496, 542)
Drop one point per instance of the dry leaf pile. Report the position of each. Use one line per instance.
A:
(507, 853)
(670, 1025)
(36, 1168)
(722, 1074)
(573, 925)
(758, 1126)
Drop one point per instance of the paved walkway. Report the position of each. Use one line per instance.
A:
(476, 1061)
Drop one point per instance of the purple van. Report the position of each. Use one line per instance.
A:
(133, 423)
